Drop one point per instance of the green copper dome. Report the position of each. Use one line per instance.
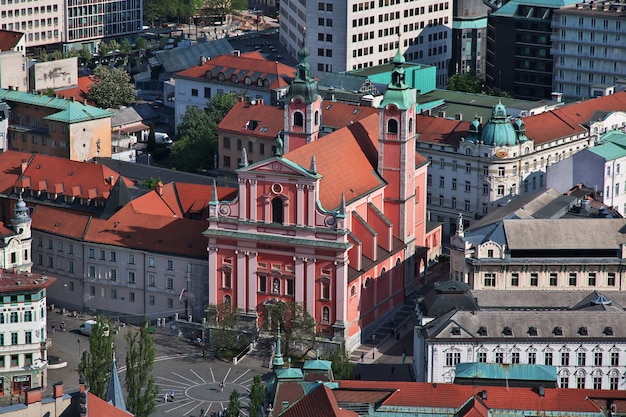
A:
(498, 131)
(398, 91)
(303, 86)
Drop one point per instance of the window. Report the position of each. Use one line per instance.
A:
(547, 358)
(442, 182)
(290, 287)
(14, 338)
(580, 381)
(454, 165)
(170, 265)
(131, 277)
(582, 358)
(14, 317)
(194, 92)
(92, 253)
(553, 279)
(262, 283)
(514, 279)
(102, 255)
(485, 189)
(572, 279)
(28, 316)
(277, 210)
(92, 291)
(564, 382)
(114, 293)
(326, 290)
(514, 357)
(468, 187)
(499, 357)
(564, 358)
(500, 190)
(442, 163)
(597, 359)
(532, 358)
(482, 357)
(490, 280)
(131, 297)
(92, 271)
(226, 144)
(614, 358)
(15, 360)
(151, 262)
(113, 274)
(468, 168)
(276, 286)
(613, 381)
(151, 300)
(131, 258)
(71, 285)
(501, 171)
(170, 283)
(113, 256)
(453, 358)
(227, 278)
(170, 303)
(592, 279)
(611, 279)
(534, 279)
(467, 205)
(325, 315)
(70, 248)
(151, 280)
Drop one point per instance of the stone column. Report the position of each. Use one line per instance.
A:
(241, 279)
(242, 199)
(341, 302)
(252, 215)
(310, 287)
(300, 204)
(252, 281)
(299, 290)
(212, 275)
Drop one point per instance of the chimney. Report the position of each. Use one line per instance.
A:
(33, 395)
(72, 98)
(442, 114)
(237, 52)
(159, 188)
(57, 390)
(24, 166)
(259, 101)
(111, 178)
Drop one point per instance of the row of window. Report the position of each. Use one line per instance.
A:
(453, 202)
(14, 360)
(16, 317)
(489, 279)
(454, 358)
(15, 338)
(114, 294)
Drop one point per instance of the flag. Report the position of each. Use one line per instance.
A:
(180, 297)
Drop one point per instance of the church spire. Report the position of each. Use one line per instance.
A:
(398, 91)
(114, 394)
(303, 85)
(278, 357)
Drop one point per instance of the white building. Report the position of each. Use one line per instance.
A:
(43, 23)
(23, 342)
(602, 168)
(344, 36)
(477, 167)
(586, 346)
(249, 74)
(588, 48)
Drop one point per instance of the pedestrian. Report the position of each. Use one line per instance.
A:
(202, 412)
(362, 356)
(222, 386)
(165, 397)
(172, 395)
(53, 327)
(372, 353)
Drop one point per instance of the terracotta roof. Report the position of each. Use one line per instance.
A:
(253, 64)
(9, 39)
(421, 394)
(321, 400)
(59, 221)
(79, 92)
(10, 168)
(23, 281)
(194, 198)
(71, 178)
(336, 151)
(270, 118)
(337, 114)
(97, 407)
(440, 130)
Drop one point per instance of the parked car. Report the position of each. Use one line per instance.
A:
(87, 328)
(162, 138)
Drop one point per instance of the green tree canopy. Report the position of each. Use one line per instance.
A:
(95, 365)
(257, 395)
(196, 142)
(233, 405)
(467, 82)
(85, 55)
(112, 88)
(140, 383)
(225, 335)
(296, 324)
(341, 365)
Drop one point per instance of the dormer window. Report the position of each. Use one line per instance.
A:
(221, 76)
(247, 80)
(482, 330)
(583, 331)
(234, 78)
(456, 331)
(259, 82)
(557, 331)
(532, 331)
(507, 331)
(608, 331)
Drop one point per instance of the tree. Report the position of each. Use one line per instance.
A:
(140, 383)
(296, 324)
(467, 82)
(103, 48)
(225, 335)
(112, 88)
(233, 405)
(95, 365)
(84, 55)
(341, 365)
(257, 395)
(151, 182)
(151, 146)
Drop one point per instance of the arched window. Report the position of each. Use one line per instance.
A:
(298, 119)
(398, 262)
(325, 315)
(368, 282)
(392, 126)
(468, 151)
(208, 75)
(410, 125)
(353, 291)
(276, 286)
(259, 82)
(247, 80)
(221, 76)
(266, 83)
(227, 301)
(317, 118)
(277, 210)
(383, 272)
(226, 278)
(234, 78)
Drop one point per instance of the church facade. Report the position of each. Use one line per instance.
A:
(336, 222)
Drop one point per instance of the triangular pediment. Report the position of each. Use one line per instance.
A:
(277, 166)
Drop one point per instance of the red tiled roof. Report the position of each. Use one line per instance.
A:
(97, 407)
(439, 129)
(270, 117)
(418, 394)
(194, 198)
(78, 93)
(321, 400)
(248, 62)
(23, 281)
(337, 114)
(60, 222)
(10, 168)
(334, 155)
(9, 39)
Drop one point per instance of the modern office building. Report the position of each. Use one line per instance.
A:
(42, 22)
(469, 37)
(345, 36)
(588, 48)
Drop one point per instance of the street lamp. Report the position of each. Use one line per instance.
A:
(78, 349)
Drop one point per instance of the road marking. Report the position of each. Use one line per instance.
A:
(235, 380)
(226, 377)
(176, 382)
(194, 372)
(190, 380)
(212, 376)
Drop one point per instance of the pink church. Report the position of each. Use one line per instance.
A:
(335, 222)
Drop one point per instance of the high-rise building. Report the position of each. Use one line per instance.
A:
(469, 37)
(344, 36)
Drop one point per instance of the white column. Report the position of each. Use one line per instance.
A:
(252, 281)
(341, 301)
(311, 206)
(299, 279)
(300, 204)
(252, 215)
(242, 199)
(310, 286)
(241, 279)
(212, 275)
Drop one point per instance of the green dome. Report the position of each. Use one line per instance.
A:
(498, 131)
(303, 85)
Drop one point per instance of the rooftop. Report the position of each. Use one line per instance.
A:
(15, 281)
